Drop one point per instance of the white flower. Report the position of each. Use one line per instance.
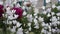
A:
(47, 1)
(44, 12)
(48, 15)
(23, 7)
(13, 29)
(13, 11)
(10, 17)
(36, 10)
(29, 28)
(15, 16)
(37, 27)
(18, 24)
(27, 32)
(36, 16)
(29, 24)
(53, 30)
(20, 31)
(30, 18)
(35, 21)
(54, 18)
(53, 6)
(48, 10)
(52, 13)
(43, 24)
(58, 22)
(18, 5)
(58, 14)
(40, 19)
(10, 22)
(44, 31)
(24, 13)
(14, 22)
(58, 7)
(58, 18)
(43, 7)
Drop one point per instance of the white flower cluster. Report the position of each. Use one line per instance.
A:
(53, 25)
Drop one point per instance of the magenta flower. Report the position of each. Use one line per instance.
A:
(19, 11)
(1, 10)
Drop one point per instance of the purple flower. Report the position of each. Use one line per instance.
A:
(1, 10)
(19, 11)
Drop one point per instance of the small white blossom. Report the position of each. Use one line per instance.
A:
(58, 14)
(37, 27)
(47, 1)
(20, 31)
(52, 13)
(44, 12)
(53, 30)
(35, 21)
(48, 10)
(40, 19)
(18, 24)
(48, 15)
(43, 7)
(53, 6)
(14, 22)
(29, 28)
(24, 13)
(29, 24)
(13, 29)
(58, 7)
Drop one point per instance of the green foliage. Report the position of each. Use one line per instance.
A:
(55, 10)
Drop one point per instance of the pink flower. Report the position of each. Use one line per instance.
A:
(1, 10)
(19, 11)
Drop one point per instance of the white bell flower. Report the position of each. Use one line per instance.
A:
(36, 16)
(40, 19)
(53, 6)
(43, 7)
(15, 16)
(36, 10)
(44, 12)
(23, 7)
(14, 22)
(20, 31)
(48, 15)
(58, 7)
(13, 29)
(24, 13)
(13, 11)
(52, 13)
(58, 14)
(10, 22)
(53, 30)
(48, 10)
(30, 18)
(54, 18)
(58, 22)
(37, 27)
(43, 24)
(47, 1)
(10, 17)
(29, 24)
(29, 28)
(35, 21)
(18, 24)
(18, 5)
